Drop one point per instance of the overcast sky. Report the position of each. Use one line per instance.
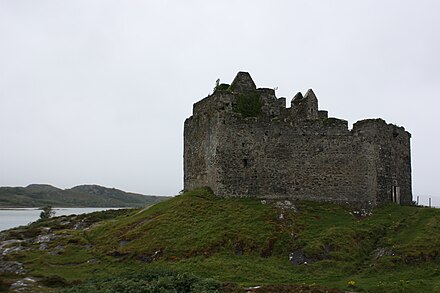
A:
(97, 91)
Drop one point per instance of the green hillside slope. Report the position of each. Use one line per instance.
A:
(38, 195)
(277, 245)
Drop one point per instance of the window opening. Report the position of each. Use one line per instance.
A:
(245, 162)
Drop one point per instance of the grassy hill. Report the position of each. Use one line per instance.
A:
(38, 195)
(281, 246)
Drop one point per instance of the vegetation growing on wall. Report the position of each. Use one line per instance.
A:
(222, 87)
(330, 121)
(248, 105)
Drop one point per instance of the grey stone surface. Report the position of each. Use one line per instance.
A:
(59, 249)
(297, 257)
(26, 285)
(43, 246)
(382, 251)
(45, 238)
(10, 242)
(293, 153)
(11, 267)
(13, 249)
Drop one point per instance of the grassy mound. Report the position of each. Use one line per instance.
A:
(246, 242)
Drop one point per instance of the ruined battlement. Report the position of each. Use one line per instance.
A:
(243, 141)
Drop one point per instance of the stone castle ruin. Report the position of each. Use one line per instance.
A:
(242, 141)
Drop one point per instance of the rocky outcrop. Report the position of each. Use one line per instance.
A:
(11, 267)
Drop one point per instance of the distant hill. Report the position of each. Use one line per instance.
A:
(38, 195)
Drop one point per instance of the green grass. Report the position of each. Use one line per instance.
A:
(244, 241)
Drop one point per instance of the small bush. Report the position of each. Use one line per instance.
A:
(159, 281)
(53, 281)
(47, 213)
(222, 87)
(248, 105)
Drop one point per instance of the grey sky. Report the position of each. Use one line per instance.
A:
(97, 91)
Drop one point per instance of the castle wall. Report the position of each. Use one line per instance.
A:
(201, 141)
(293, 152)
(308, 160)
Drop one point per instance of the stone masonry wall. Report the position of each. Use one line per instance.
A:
(295, 152)
(392, 155)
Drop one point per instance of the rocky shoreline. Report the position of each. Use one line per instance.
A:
(40, 236)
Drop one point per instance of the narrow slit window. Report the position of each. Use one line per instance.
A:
(395, 194)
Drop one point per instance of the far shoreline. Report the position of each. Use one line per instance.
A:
(70, 207)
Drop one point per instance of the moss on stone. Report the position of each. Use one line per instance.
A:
(248, 105)
(331, 121)
(222, 87)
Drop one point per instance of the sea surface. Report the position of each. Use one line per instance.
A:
(10, 218)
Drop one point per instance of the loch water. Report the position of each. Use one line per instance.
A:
(14, 217)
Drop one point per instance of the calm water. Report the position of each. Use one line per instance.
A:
(10, 218)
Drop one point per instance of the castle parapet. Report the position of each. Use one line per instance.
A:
(379, 128)
(335, 126)
(322, 114)
(306, 107)
(262, 103)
